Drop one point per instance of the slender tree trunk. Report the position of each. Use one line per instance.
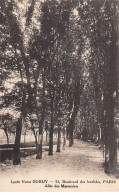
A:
(64, 139)
(46, 130)
(112, 152)
(35, 135)
(103, 130)
(40, 136)
(106, 135)
(46, 136)
(106, 165)
(74, 113)
(40, 139)
(16, 158)
(6, 136)
(71, 125)
(112, 139)
(51, 141)
(110, 136)
(67, 133)
(59, 140)
(51, 130)
(39, 146)
(99, 135)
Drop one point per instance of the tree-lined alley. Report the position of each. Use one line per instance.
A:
(59, 73)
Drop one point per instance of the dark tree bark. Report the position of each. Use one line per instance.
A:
(71, 128)
(40, 139)
(98, 133)
(35, 134)
(16, 150)
(46, 130)
(7, 137)
(16, 159)
(113, 152)
(67, 133)
(59, 140)
(6, 133)
(51, 129)
(64, 139)
(39, 146)
(111, 136)
(40, 135)
(46, 136)
(72, 124)
(77, 93)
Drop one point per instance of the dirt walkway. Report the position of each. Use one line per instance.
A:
(80, 166)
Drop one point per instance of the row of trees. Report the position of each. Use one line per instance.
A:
(63, 58)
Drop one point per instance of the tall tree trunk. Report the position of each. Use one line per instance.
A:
(67, 133)
(110, 136)
(106, 153)
(35, 134)
(113, 152)
(77, 94)
(40, 135)
(40, 139)
(6, 134)
(71, 125)
(59, 140)
(112, 139)
(39, 146)
(71, 128)
(46, 130)
(103, 130)
(51, 129)
(106, 133)
(16, 158)
(99, 138)
(64, 139)
(46, 136)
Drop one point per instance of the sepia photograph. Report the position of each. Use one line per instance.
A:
(59, 95)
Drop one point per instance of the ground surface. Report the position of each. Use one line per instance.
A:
(83, 162)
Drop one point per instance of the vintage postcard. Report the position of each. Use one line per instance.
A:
(59, 96)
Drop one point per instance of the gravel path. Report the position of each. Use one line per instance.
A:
(79, 168)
